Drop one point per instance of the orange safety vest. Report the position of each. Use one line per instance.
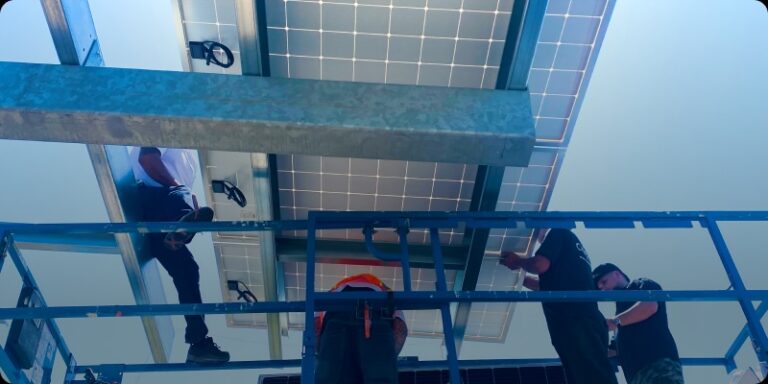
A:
(363, 280)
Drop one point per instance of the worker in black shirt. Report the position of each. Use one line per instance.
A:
(577, 329)
(647, 352)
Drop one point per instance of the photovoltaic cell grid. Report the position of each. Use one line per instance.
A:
(567, 40)
(420, 323)
(342, 184)
(425, 42)
(213, 20)
(241, 260)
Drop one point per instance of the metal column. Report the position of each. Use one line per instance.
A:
(756, 331)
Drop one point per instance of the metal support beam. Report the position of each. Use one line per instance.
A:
(402, 364)
(77, 44)
(353, 252)
(756, 331)
(143, 273)
(414, 300)
(252, 37)
(254, 61)
(485, 196)
(29, 281)
(262, 191)
(75, 243)
(520, 44)
(269, 115)
(73, 32)
(743, 335)
(309, 344)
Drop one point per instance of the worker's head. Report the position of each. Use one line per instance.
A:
(609, 277)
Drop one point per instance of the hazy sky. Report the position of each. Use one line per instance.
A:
(674, 118)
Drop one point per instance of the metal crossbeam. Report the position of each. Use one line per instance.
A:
(352, 252)
(410, 300)
(90, 243)
(402, 365)
(268, 115)
(420, 300)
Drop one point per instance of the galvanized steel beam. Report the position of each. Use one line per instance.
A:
(252, 37)
(255, 114)
(354, 252)
(77, 44)
(262, 191)
(118, 189)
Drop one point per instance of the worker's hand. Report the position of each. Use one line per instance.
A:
(612, 353)
(611, 324)
(511, 260)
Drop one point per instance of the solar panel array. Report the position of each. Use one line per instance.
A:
(454, 43)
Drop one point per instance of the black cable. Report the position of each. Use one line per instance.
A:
(206, 50)
(232, 191)
(244, 293)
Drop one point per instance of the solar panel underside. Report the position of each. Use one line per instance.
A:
(453, 43)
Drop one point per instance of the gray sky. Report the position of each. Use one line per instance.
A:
(674, 119)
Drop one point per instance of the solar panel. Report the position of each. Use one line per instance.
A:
(213, 20)
(454, 43)
(551, 374)
(322, 183)
(440, 43)
(567, 40)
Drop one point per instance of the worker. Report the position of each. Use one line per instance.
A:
(646, 349)
(361, 345)
(165, 177)
(577, 330)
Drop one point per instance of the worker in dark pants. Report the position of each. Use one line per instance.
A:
(577, 329)
(359, 346)
(165, 176)
(646, 349)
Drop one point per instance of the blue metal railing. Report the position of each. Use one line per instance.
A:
(439, 299)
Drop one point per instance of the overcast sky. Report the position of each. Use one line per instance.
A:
(674, 118)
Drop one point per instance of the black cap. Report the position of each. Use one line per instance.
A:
(604, 269)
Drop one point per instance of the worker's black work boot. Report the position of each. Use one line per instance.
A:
(206, 352)
(176, 240)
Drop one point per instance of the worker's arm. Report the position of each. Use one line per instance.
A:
(536, 265)
(641, 311)
(400, 332)
(531, 282)
(150, 159)
(318, 328)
